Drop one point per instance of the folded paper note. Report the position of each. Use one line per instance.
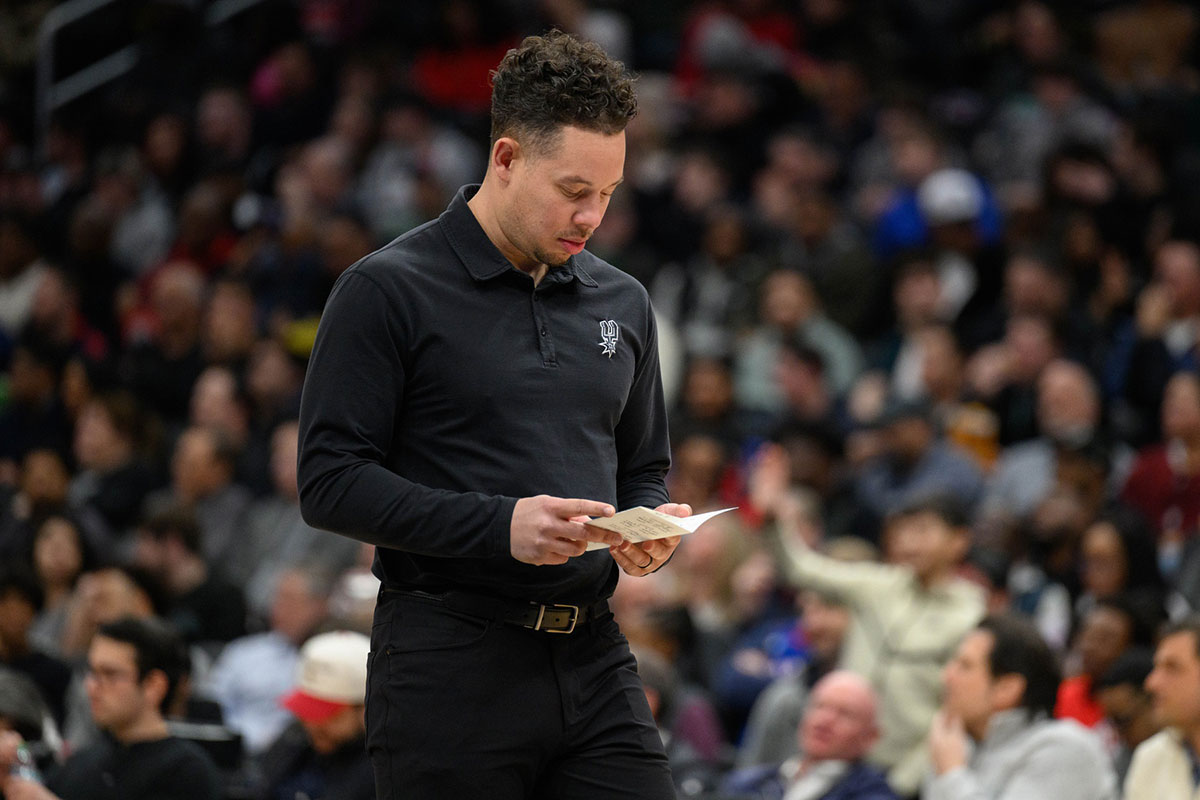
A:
(642, 524)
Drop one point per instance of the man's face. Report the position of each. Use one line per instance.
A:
(1128, 708)
(16, 615)
(839, 721)
(967, 679)
(557, 195)
(825, 625)
(1105, 635)
(195, 471)
(924, 542)
(116, 694)
(1175, 681)
(344, 726)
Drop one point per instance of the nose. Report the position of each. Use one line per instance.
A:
(589, 213)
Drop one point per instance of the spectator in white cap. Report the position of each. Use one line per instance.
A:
(953, 204)
(324, 754)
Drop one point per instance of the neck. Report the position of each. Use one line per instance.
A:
(483, 206)
(977, 730)
(936, 578)
(57, 594)
(150, 727)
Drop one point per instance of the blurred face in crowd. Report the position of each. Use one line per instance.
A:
(16, 615)
(1105, 635)
(57, 554)
(696, 470)
(925, 542)
(1031, 346)
(972, 693)
(1174, 683)
(708, 390)
(119, 698)
(328, 735)
(229, 324)
(1103, 561)
(786, 300)
(177, 297)
(1181, 407)
(1031, 287)
(1068, 405)
(30, 381)
(98, 443)
(941, 362)
(825, 625)
(195, 469)
(271, 378)
(1177, 265)
(1130, 711)
(296, 608)
(908, 438)
(839, 721)
(44, 478)
(917, 295)
(215, 403)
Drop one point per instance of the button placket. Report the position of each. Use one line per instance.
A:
(542, 328)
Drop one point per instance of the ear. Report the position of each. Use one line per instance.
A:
(155, 686)
(1007, 691)
(505, 152)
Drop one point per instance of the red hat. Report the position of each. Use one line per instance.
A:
(332, 675)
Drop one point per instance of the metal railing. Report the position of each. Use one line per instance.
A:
(53, 93)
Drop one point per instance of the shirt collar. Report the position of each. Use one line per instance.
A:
(1004, 725)
(482, 259)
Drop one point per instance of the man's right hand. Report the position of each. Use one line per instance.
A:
(551, 530)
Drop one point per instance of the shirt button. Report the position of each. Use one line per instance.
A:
(543, 331)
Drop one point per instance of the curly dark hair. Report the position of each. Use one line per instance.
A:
(556, 80)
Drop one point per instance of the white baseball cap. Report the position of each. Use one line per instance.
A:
(950, 195)
(331, 675)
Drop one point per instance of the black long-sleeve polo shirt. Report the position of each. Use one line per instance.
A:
(444, 385)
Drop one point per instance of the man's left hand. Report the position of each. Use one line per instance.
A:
(643, 558)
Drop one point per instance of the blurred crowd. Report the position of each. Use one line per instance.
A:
(928, 284)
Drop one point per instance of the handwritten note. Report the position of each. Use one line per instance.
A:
(642, 524)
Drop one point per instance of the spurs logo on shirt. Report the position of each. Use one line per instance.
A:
(609, 333)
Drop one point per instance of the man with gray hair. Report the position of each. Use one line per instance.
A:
(838, 729)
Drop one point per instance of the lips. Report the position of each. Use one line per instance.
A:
(573, 246)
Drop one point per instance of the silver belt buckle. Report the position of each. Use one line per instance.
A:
(537, 626)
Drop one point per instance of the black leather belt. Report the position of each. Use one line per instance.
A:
(545, 617)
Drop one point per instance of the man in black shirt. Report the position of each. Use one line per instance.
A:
(133, 668)
(478, 388)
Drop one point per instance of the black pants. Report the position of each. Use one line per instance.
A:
(461, 707)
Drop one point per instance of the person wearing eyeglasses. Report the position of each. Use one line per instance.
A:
(133, 668)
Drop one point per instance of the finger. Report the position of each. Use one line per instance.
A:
(629, 558)
(605, 537)
(637, 555)
(676, 509)
(566, 508)
(568, 549)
